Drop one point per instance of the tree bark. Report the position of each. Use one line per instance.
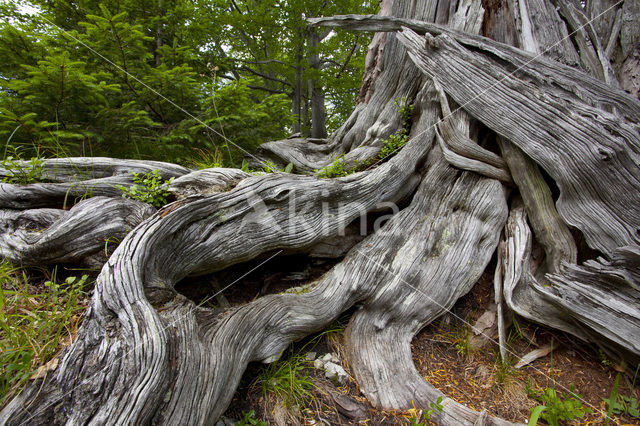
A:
(146, 354)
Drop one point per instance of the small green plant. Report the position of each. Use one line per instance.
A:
(393, 144)
(270, 167)
(397, 140)
(422, 419)
(287, 381)
(148, 188)
(248, 419)
(34, 324)
(335, 169)
(405, 109)
(556, 407)
(603, 358)
(620, 404)
(504, 370)
(22, 172)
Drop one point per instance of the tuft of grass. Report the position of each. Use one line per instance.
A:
(271, 167)
(398, 139)
(287, 382)
(460, 336)
(34, 326)
(504, 370)
(207, 159)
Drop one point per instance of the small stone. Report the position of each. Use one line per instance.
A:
(318, 363)
(335, 373)
(310, 356)
(326, 357)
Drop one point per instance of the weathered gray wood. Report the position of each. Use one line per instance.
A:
(542, 30)
(615, 32)
(547, 225)
(519, 286)
(629, 68)
(73, 169)
(462, 216)
(157, 357)
(604, 296)
(470, 164)
(60, 195)
(48, 236)
(573, 82)
(145, 354)
(592, 55)
(68, 180)
(459, 150)
(206, 181)
(498, 297)
(603, 14)
(572, 142)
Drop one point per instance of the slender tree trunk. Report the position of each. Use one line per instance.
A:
(316, 97)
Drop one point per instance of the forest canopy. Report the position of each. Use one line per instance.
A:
(171, 79)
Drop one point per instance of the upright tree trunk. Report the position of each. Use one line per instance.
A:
(316, 97)
(296, 104)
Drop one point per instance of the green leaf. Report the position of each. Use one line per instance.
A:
(535, 415)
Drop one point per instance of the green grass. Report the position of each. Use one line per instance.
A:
(248, 419)
(621, 404)
(207, 159)
(287, 381)
(34, 325)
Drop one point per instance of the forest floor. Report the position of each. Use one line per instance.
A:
(445, 356)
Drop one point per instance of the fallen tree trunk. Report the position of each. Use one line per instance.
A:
(147, 354)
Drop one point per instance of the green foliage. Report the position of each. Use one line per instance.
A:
(149, 188)
(287, 381)
(160, 80)
(621, 404)
(393, 144)
(405, 110)
(603, 358)
(19, 171)
(504, 370)
(33, 324)
(249, 420)
(557, 407)
(270, 167)
(397, 140)
(207, 159)
(423, 420)
(536, 412)
(335, 169)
